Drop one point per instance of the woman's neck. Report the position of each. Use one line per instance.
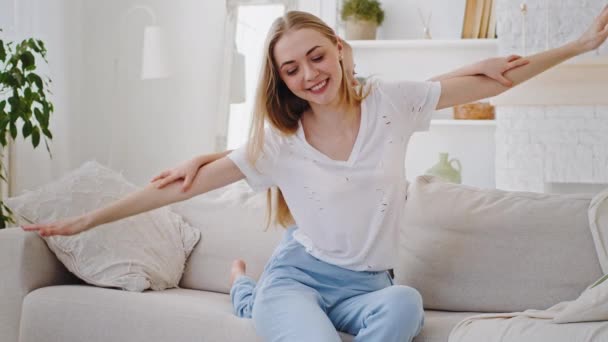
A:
(332, 119)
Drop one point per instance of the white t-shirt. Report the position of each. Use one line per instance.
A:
(348, 212)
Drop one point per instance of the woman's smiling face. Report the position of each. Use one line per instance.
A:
(309, 64)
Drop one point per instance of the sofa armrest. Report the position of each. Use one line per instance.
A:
(26, 264)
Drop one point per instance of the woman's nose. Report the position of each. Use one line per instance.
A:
(311, 73)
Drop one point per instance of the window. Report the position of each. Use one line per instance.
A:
(247, 24)
(252, 24)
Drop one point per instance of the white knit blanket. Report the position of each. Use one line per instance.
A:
(527, 326)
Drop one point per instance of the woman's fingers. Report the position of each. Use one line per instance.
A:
(31, 227)
(502, 80)
(517, 63)
(513, 57)
(42, 229)
(186, 184)
(161, 175)
(168, 180)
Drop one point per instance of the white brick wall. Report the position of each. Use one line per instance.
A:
(541, 144)
(567, 19)
(536, 145)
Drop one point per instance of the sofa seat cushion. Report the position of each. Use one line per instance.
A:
(86, 313)
(93, 314)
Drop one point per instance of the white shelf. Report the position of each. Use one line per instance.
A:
(425, 43)
(451, 122)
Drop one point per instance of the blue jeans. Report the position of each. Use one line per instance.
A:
(301, 298)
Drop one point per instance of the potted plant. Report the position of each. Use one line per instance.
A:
(362, 18)
(23, 96)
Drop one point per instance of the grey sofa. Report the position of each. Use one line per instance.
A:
(467, 251)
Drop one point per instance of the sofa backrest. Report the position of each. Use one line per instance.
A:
(232, 223)
(487, 250)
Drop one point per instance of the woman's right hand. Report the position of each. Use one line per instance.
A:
(68, 226)
(187, 171)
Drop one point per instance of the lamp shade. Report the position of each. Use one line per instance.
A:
(155, 61)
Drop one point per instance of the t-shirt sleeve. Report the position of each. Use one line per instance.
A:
(416, 100)
(261, 176)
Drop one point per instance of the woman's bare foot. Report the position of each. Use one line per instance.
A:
(237, 269)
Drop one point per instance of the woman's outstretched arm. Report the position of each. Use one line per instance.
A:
(466, 89)
(210, 177)
(494, 68)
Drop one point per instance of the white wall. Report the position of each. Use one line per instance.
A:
(166, 121)
(58, 23)
(156, 123)
(402, 20)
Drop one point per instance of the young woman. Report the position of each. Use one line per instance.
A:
(335, 155)
(242, 290)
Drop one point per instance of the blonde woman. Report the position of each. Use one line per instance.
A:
(335, 156)
(242, 291)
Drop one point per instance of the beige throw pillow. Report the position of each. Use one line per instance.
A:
(487, 250)
(144, 251)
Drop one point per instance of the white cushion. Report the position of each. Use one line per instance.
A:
(488, 250)
(232, 223)
(144, 251)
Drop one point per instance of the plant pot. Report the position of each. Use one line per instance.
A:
(360, 29)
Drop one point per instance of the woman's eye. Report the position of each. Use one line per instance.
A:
(291, 72)
(317, 59)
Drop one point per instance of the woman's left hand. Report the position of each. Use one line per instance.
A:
(495, 68)
(597, 33)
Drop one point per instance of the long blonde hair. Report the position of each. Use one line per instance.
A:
(275, 103)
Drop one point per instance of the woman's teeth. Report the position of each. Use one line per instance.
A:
(319, 86)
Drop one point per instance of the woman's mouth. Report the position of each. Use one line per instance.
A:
(319, 87)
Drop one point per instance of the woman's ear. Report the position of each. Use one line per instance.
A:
(340, 45)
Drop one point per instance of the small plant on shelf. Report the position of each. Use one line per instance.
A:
(362, 18)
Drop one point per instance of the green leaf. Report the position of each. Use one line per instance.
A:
(28, 60)
(32, 44)
(2, 105)
(33, 78)
(13, 129)
(2, 51)
(27, 93)
(38, 115)
(26, 129)
(47, 132)
(42, 47)
(3, 136)
(36, 136)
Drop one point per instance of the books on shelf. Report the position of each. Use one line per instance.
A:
(479, 19)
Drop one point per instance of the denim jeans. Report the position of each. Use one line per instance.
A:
(301, 298)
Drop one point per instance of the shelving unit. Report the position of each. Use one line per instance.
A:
(471, 141)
